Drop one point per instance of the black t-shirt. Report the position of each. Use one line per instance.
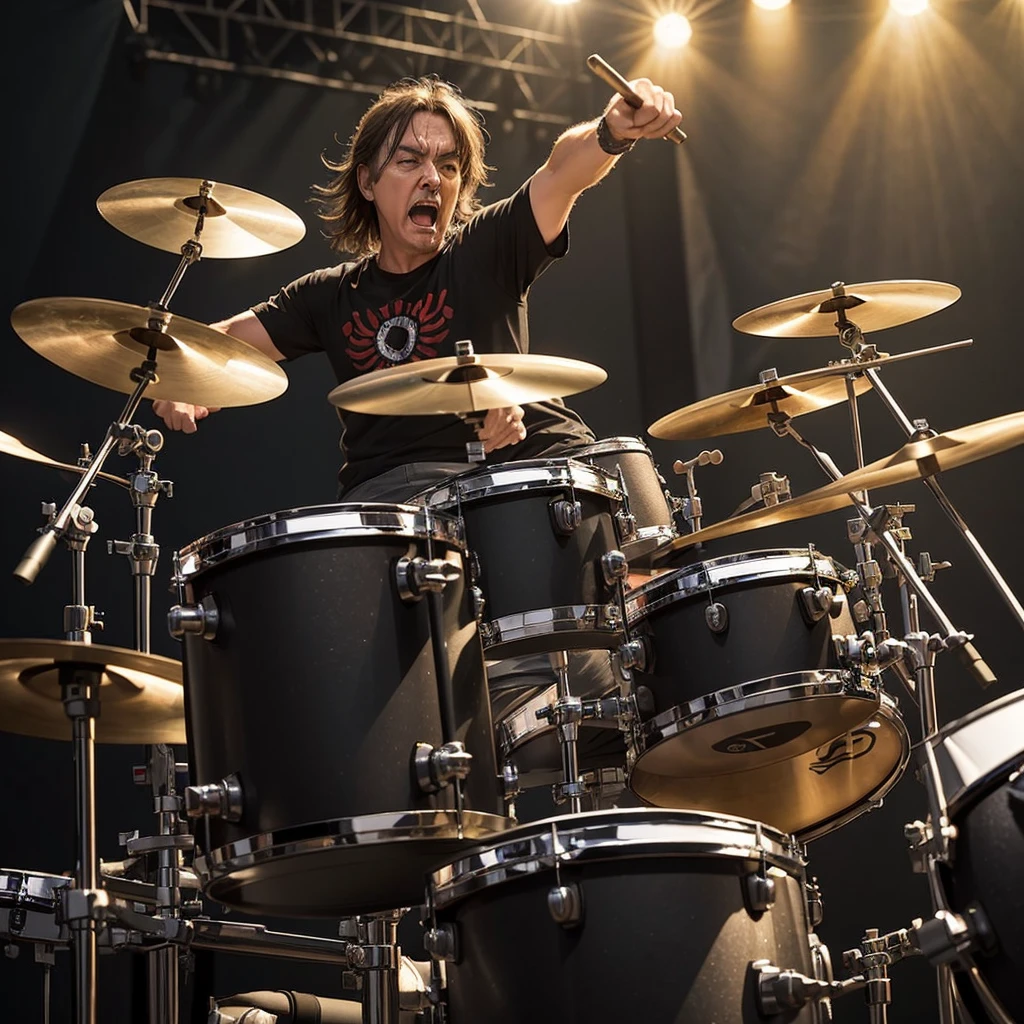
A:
(365, 318)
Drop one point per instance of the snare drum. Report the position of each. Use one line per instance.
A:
(309, 691)
(648, 496)
(628, 915)
(30, 907)
(980, 759)
(740, 671)
(544, 536)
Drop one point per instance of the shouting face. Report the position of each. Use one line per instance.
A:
(415, 192)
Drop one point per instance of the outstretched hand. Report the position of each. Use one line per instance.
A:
(654, 120)
(502, 427)
(180, 415)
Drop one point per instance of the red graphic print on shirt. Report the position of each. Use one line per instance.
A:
(397, 332)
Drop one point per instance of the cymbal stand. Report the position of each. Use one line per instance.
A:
(851, 337)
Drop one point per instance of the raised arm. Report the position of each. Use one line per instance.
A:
(582, 155)
(246, 327)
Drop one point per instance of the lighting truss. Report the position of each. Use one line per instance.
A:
(361, 45)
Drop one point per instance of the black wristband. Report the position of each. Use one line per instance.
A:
(611, 145)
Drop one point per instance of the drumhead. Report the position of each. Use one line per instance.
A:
(612, 834)
(704, 578)
(513, 478)
(317, 523)
(808, 795)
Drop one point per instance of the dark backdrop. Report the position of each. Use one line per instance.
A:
(826, 143)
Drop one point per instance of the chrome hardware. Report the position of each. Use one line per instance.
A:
(861, 652)
(634, 654)
(565, 904)
(441, 942)
(947, 936)
(861, 612)
(759, 892)
(626, 522)
(217, 799)
(473, 569)
(927, 569)
(509, 781)
(614, 567)
(716, 615)
(772, 489)
(767, 376)
(436, 767)
(567, 515)
(413, 576)
(691, 507)
(815, 905)
(479, 602)
(202, 619)
(563, 791)
(612, 616)
(816, 602)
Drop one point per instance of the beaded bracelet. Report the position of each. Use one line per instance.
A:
(611, 145)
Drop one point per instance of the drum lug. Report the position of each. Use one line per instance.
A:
(413, 576)
(614, 567)
(509, 779)
(635, 654)
(716, 615)
(816, 603)
(202, 619)
(436, 767)
(565, 904)
(441, 943)
(759, 892)
(567, 515)
(479, 603)
(626, 524)
(218, 799)
(815, 905)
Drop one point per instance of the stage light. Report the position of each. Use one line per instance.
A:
(772, 5)
(671, 31)
(908, 7)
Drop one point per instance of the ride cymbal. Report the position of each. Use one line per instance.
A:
(914, 461)
(873, 306)
(162, 212)
(10, 445)
(795, 395)
(140, 695)
(103, 341)
(459, 384)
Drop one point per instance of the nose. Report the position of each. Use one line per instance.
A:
(431, 175)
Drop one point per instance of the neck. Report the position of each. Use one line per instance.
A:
(402, 263)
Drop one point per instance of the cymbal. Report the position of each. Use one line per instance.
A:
(162, 212)
(795, 394)
(873, 306)
(914, 461)
(103, 341)
(141, 697)
(10, 445)
(447, 385)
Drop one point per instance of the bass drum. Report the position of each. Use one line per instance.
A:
(627, 915)
(981, 766)
(308, 692)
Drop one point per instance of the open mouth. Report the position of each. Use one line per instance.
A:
(424, 215)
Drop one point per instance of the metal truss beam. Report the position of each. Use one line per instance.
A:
(361, 45)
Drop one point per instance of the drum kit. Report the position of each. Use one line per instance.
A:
(366, 688)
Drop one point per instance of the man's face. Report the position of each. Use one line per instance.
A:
(416, 193)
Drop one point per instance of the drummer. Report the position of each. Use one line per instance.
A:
(433, 266)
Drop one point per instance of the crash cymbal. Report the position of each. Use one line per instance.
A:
(914, 461)
(873, 306)
(10, 445)
(162, 212)
(795, 394)
(103, 341)
(140, 694)
(449, 385)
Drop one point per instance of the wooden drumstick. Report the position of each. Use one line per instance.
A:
(608, 74)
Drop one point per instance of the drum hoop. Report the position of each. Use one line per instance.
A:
(729, 571)
(969, 770)
(291, 526)
(539, 622)
(612, 445)
(554, 474)
(362, 830)
(22, 896)
(601, 836)
(764, 692)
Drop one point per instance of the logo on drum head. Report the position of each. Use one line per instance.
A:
(847, 748)
(753, 740)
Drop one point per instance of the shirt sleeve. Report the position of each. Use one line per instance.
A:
(297, 317)
(504, 239)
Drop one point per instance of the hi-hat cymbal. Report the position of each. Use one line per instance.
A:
(103, 341)
(914, 461)
(795, 394)
(141, 697)
(873, 306)
(451, 385)
(162, 212)
(10, 445)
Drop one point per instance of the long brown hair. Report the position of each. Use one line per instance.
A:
(350, 219)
